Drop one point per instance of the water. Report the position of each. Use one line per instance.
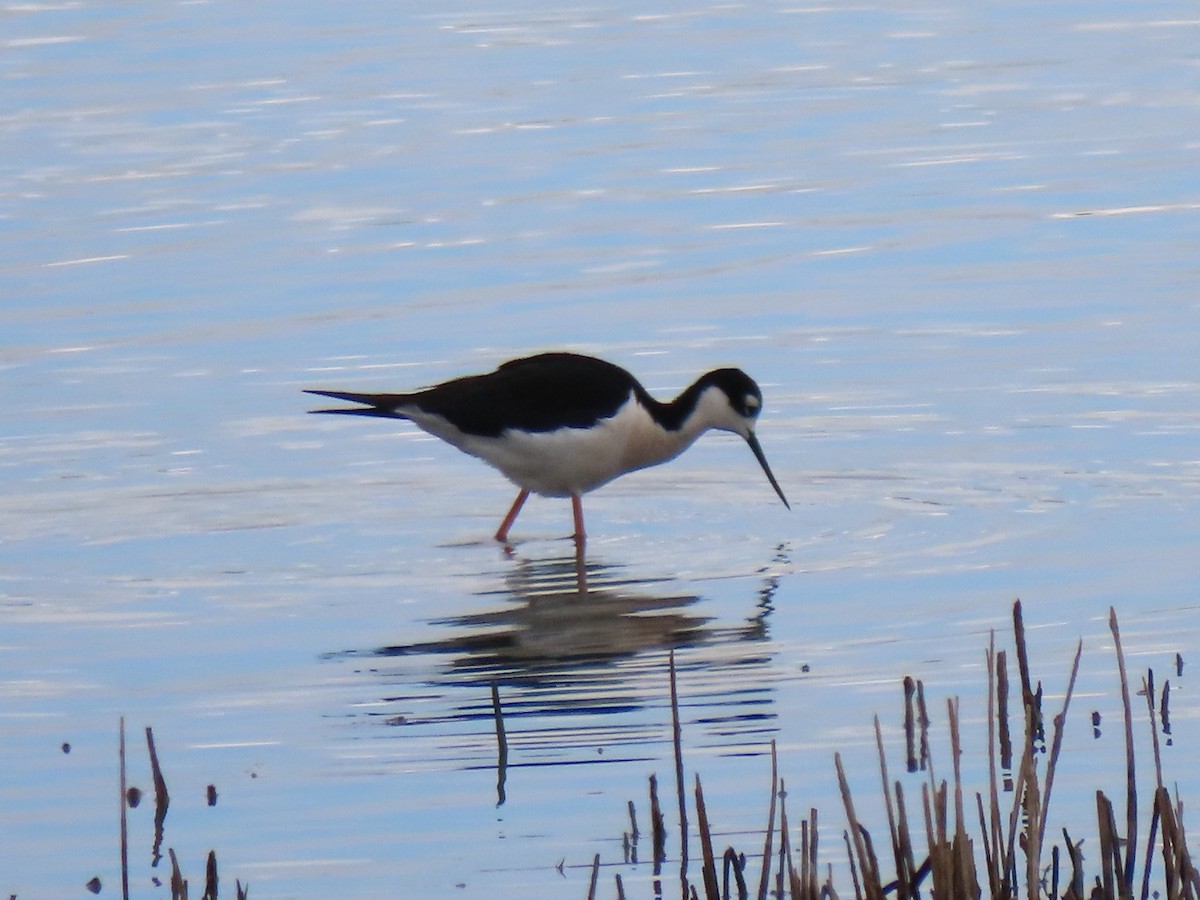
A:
(955, 244)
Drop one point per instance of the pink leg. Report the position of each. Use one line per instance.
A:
(502, 534)
(577, 509)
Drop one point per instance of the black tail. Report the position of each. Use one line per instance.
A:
(381, 405)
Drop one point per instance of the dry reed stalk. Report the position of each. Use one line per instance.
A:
(902, 880)
(1024, 774)
(1169, 850)
(787, 868)
(1032, 804)
(1032, 725)
(595, 877)
(989, 859)
(764, 880)
(735, 863)
(162, 799)
(1148, 690)
(708, 870)
(1075, 891)
(813, 845)
(783, 852)
(966, 883)
(677, 740)
(1060, 722)
(124, 814)
(860, 837)
(991, 837)
(1110, 851)
(658, 829)
(1175, 847)
(805, 890)
(923, 721)
(930, 831)
(210, 877)
(1002, 692)
(853, 868)
(912, 873)
(951, 865)
(910, 736)
(1130, 771)
(179, 889)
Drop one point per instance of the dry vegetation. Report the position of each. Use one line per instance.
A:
(990, 843)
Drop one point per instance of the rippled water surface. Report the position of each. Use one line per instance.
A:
(956, 245)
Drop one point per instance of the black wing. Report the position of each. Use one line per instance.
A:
(537, 393)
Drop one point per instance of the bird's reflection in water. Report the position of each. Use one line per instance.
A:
(561, 614)
(568, 665)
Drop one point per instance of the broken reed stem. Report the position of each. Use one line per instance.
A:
(1130, 772)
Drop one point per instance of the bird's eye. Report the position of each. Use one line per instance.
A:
(752, 404)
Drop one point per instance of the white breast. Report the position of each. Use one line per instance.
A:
(569, 460)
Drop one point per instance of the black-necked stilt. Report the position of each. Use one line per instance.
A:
(561, 424)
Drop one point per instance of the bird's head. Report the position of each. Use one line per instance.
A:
(729, 400)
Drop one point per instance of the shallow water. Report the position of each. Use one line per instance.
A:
(955, 245)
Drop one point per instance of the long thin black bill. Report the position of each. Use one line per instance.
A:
(752, 440)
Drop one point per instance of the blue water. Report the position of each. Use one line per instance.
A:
(955, 244)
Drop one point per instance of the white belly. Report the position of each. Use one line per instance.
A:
(569, 460)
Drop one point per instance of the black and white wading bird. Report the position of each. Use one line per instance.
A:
(562, 424)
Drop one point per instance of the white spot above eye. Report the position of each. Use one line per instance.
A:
(752, 402)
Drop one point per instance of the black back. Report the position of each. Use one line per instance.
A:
(537, 393)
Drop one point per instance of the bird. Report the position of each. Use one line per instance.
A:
(563, 424)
